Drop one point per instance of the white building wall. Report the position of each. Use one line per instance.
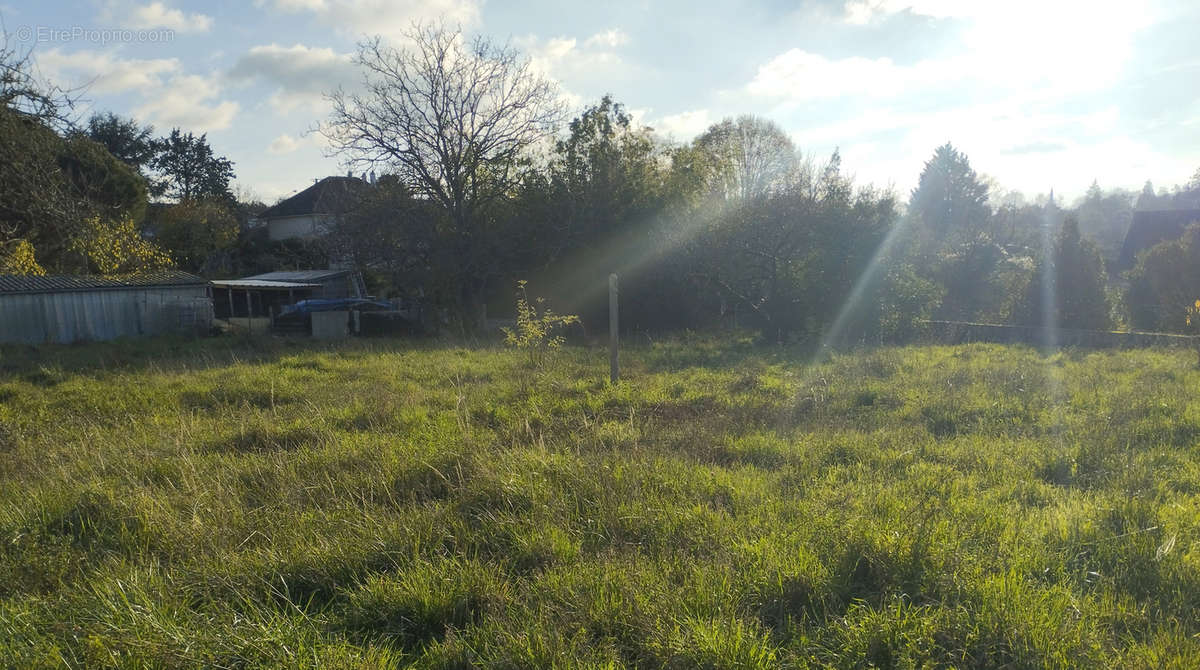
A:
(307, 226)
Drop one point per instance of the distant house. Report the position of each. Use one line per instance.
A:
(311, 212)
(1153, 227)
(64, 309)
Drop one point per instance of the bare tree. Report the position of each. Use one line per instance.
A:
(23, 92)
(751, 156)
(451, 118)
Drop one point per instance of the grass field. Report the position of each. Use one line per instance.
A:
(377, 504)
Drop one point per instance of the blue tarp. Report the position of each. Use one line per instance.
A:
(330, 305)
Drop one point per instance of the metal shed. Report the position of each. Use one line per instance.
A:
(265, 294)
(64, 309)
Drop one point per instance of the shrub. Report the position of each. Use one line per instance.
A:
(536, 324)
(1165, 279)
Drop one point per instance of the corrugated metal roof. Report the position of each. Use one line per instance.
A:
(65, 283)
(301, 275)
(260, 283)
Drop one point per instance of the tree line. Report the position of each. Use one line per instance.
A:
(486, 182)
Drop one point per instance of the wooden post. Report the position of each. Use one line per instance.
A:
(614, 370)
(249, 313)
(229, 290)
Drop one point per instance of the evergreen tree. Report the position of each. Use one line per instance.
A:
(1147, 199)
(952, 237)
(131, 143)
(950, 201)
(1073, 280)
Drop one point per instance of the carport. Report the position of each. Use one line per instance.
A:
(256, 297)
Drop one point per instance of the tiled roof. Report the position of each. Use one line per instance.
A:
(327, 196)
(61, 283)
(1150, 228)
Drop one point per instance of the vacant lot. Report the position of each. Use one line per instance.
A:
(235, 504)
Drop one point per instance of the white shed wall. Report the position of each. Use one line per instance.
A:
(73, 316)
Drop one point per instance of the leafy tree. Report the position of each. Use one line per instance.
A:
(786, 262)
(187, 168)
(198, 233)
(1164, 282)
(606, 173)
(66, 202)
(1105, 217)
(17, 258)
(588, 213)
(131, 143)
(1073, 279)
(1187, 196)
(110, 188)
(116, 247)
(391, 233)
(451, 118)
(37, 208)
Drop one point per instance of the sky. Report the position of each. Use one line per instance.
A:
(1040, 94)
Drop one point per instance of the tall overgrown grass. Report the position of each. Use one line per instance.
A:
(378, 504)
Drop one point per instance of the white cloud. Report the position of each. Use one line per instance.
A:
(301, 74)
(1028, 149)
(801, 75)
(158, 15)
(592, 66)
(684, 125)
(611, 38)
(189, 102)
(389, 18)
(1027, 48)
(103, 72)
(284, 144)
(865, 11)
(168, 95)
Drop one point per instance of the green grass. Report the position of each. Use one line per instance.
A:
(241, 504)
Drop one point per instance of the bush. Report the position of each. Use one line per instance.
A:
(536, 323)
(1164, 282)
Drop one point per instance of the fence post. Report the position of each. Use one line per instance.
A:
(614, 371)
(249, 312)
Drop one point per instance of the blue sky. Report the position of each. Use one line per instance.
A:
(1039, 93)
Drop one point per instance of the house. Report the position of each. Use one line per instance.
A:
(311, 212)
(64, 309)
(1152, 227)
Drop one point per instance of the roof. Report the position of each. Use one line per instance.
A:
(261, 284)
(1152, 227)
(327, 196)
(67, 283)
(302, 276)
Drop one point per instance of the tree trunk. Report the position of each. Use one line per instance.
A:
(474, 308)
